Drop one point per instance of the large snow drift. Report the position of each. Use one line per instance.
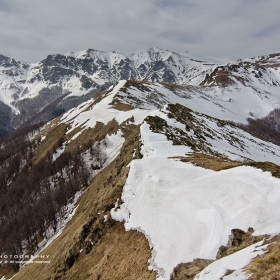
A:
(187, 212)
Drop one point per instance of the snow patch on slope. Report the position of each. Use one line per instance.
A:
(103, 112)
(233, 103)
(235, 262)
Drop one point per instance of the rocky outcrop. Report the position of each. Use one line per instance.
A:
(237, 240)
(188, 271)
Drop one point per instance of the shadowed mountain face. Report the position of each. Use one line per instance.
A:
(32, 93)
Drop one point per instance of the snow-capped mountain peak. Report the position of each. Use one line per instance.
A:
(61, 81)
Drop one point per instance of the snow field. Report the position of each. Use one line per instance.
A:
(187, 212)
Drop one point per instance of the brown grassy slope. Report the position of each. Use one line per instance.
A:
(188, 271)
(93, 134)
(54, 136)
(267, 267)
(115, 254)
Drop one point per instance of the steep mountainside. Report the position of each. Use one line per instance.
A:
(39, 92)
(160, 176)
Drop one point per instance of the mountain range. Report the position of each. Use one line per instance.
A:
(38, 92)
(154, 165)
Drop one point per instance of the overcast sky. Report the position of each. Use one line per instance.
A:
(32, 29)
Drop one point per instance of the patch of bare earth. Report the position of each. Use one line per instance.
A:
(211, 162)
(173, 86)
(89, 247)
(118, 105)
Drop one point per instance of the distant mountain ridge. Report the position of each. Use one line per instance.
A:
(38, 92)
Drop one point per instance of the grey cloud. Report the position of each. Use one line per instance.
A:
(267, 31)
(29, 30)
(188, 36)
(172, 4)
(6, 6)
